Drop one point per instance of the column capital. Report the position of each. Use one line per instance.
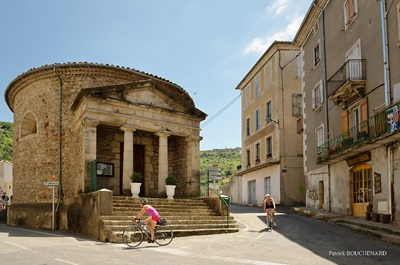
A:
(127, 128)
(162, 133)
(90, 123)
(193, 138)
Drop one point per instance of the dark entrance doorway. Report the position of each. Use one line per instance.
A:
(138, 164)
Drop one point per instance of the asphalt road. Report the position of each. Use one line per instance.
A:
(297, 239)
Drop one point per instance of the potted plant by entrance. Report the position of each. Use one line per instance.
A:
(170, 185)
(136, 178)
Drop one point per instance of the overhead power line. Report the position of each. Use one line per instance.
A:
(219, 112)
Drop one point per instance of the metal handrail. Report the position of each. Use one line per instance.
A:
(352, 69)
(220, 197)
(369, 130)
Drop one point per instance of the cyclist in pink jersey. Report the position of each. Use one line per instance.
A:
(152, 220)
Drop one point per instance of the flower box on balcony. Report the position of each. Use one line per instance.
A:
(362, 136)
(347, 142)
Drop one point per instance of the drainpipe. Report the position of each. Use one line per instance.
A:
(389, 150)
(387, 95)
(326, 103)
(59, 142)
(385, 52)
(282, 153)
(325, 96)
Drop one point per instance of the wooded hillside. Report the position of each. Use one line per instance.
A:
(228, 160)
(6, 141)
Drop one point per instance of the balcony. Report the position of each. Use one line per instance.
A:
(348, 83)
(370, 134)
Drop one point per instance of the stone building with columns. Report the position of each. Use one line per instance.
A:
(74, 120)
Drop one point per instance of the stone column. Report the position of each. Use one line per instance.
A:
(90, 148)
(192, 164)
(128, 155)
(162, 159)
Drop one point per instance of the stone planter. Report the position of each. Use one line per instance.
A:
(135, 189)
(170, 190)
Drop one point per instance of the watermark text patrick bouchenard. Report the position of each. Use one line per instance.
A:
(360, 253)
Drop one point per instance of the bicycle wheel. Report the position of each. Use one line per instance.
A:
(163, 235)
(132, 236)
(270, 222)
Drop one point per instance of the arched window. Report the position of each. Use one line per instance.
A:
(29, 125)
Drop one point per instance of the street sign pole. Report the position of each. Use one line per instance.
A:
(214, 172)
(53, 211)
(52, 185)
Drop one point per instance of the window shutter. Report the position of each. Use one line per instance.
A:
(313, 99)
(352, 11)
(321, 94)
(296, 105)
(364, 114)
(364, 109)
(345, 121)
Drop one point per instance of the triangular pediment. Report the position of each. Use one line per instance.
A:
(144, 93)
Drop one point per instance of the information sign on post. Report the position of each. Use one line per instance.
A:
(52, 184)
(214, 173)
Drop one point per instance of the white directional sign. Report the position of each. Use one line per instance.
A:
(213, 168)
(214, 173)
(51, 183)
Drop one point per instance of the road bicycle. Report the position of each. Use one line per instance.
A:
(271, 220)
(3, 204)
(134, 234)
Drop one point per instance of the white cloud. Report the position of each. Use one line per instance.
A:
(294, 26)
(279, 6)
(261, 44)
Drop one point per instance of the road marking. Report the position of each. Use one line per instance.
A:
(46, 233)
(17, 245)
(247, 227)
(259, 236)
(65, 261)
(33, 231)
(182, 253)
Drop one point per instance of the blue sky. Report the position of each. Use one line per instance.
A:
(204, 46)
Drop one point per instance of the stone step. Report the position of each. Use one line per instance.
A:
(163, 210)
(172, 217)
(162, 206)
(159, 201)
(186, 217)
(182, 226)
(166, 214)
(176, 222)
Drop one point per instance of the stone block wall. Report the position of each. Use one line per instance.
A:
(177, 163)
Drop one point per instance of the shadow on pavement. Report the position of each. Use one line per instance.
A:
(332, 242)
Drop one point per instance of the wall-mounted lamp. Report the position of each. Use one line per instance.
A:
(268, 119)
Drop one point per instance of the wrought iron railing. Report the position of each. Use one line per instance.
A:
(376, 127)
(351, 70)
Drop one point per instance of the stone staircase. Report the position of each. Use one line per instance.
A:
(186, 217)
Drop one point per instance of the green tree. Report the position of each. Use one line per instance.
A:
(6, 141)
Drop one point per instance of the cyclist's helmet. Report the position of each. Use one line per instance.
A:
(143, 201)
(267, 195)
